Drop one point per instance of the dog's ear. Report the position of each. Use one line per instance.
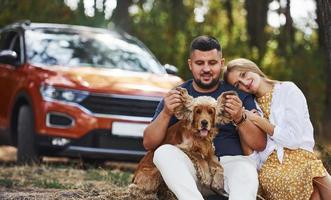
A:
(184, 111)
(223, 117)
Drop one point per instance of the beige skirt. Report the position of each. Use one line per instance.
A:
(291, 179)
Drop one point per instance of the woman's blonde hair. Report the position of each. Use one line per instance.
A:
(245, 65)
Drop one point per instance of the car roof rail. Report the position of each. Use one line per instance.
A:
(19, 23)
(25, 22)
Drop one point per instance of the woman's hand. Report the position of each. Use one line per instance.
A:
(252, 115)
(259, 121)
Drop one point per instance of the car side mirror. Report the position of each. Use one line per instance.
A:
(170, 69)
(8, 57)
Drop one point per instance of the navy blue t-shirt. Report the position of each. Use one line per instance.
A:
(227, 141)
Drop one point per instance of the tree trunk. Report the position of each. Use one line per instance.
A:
(177, 20)
(286, 36)
(256, 21)
(324, 22)
(121, 17)
(229, 9)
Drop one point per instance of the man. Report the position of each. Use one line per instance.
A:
(240, 175)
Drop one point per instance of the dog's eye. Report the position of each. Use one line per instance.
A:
(210, 111)
(198, 111)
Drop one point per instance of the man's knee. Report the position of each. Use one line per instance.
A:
(241, 179)
(244, 173)
(163, 152)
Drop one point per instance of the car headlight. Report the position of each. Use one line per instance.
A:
(49, 92)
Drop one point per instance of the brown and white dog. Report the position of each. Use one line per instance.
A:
(194, 134)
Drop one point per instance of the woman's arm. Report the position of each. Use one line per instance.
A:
(261, 122)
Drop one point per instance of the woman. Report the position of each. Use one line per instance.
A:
(288, 168)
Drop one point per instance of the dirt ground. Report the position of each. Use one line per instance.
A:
(60, 178)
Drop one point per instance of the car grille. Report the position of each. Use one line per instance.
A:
(121, 105)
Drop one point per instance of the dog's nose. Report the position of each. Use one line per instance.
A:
(204, 123)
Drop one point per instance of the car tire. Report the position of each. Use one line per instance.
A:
(91, 162)
(27, 152)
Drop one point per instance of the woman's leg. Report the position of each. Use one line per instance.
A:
(324, 186)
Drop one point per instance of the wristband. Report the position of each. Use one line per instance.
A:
(243, 118)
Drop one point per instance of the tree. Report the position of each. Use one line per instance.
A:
(80, 17)
(286, 37)
(121, 16)
(229, 9)
(256, 19)
(164, 31)
(324, 22)
(34, 10)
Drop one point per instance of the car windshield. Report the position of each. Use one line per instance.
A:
(87, 48)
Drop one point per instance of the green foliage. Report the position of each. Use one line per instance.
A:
(120, 178)
(116, 177)
(35, 10)
(165, 32)
(5, 182)
(94, 174)
(49, 183)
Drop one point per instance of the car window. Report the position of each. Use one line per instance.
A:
(88, 48)
(4, 41)
(10, 40)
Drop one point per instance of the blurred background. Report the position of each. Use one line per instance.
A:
(288, 39)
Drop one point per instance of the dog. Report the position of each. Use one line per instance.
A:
(193, 134)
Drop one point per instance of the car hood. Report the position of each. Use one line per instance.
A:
(112, 80)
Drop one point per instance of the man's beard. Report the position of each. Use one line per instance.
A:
(210, 85)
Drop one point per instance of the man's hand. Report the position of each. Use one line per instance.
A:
(155, 132)
(234, 107)
(172, 100)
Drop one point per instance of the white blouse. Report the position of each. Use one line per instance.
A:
(290, 116)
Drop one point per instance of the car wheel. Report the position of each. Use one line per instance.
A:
(27, 152)
(91, 162)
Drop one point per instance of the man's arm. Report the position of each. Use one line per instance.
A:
(251, 136)
(155, 132)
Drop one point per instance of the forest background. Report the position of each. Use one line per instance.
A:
(288, 39)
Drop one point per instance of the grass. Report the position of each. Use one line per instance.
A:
(5, 182)
(61, 177)
(50, 183)
(120, 178)
(117, 177)
(73, 181)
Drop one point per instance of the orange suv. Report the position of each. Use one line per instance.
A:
(77, 91)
